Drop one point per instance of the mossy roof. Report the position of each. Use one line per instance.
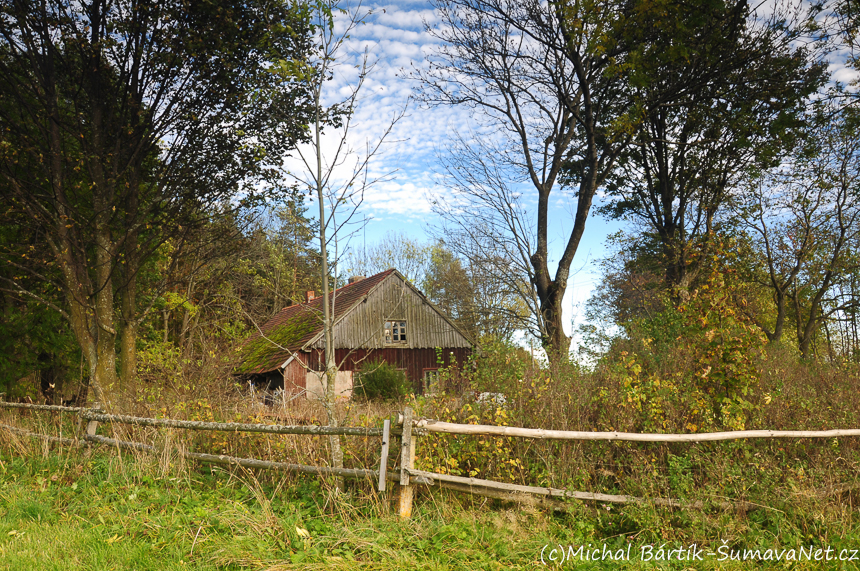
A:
(295, 327)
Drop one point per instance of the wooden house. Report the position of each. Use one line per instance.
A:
(382, 317)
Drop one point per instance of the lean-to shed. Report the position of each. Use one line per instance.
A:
(382, 317)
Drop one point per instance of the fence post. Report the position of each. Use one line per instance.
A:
(383, 456)
(92, 425)
(407, 462)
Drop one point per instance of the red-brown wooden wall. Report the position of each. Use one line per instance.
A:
(413, 361)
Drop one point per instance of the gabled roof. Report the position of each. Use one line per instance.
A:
(296, 327)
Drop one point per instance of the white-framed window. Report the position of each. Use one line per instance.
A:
(431, 381)
(395, 332)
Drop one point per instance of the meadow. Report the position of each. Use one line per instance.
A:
(761, 503)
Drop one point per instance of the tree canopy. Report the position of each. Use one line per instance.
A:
(123, 124)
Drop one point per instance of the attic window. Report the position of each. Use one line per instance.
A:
(395, 332)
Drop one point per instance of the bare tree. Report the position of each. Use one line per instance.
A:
(496, 236)
(395, 250)
(334, 172)
(545, 75)
(806, 220)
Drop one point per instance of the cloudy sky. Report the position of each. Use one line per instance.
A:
(394, 38)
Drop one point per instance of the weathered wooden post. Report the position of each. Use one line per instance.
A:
(383, 460)
(407, 462)
(92, 425)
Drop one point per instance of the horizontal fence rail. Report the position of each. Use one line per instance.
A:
(467, 484)
(245, 462)
(231, 426)
(22, 432)
(52, 407)
(553, 497)
(429, 425)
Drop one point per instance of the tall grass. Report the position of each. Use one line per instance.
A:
(789, 396)
(791, 491)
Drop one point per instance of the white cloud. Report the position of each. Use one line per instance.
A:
(844, 75)
(395, 42)
(392, 15)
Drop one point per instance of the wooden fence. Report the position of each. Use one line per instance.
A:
(95, 415)
(409, 430)
(553, 497)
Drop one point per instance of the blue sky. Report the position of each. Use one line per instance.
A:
(394, 37)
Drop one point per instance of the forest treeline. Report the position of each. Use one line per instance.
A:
(147, 227)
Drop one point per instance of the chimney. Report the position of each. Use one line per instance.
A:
(355, 279)
(309, 296)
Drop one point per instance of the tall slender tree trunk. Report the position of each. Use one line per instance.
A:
(103, 187)
(674, 251)
(82, 314)
(184, 334)
(779, 326)
(128, 310)
(103, 319)
(330, 364)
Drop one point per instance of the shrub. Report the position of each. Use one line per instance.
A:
(499, 367)
(377, 380)
(695, 365)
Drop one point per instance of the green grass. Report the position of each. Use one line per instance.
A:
(96, 510)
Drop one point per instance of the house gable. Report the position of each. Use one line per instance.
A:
(395, 301)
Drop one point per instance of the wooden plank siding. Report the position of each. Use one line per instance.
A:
(394, 299)
(295, 374)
